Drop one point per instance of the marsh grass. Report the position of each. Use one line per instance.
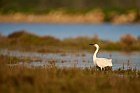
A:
(14, 60)
(51, 79)
(25, 41)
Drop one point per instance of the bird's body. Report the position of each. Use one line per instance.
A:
(101, 62)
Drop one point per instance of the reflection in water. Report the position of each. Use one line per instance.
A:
(83, 59)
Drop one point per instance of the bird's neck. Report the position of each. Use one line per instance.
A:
(95, 55)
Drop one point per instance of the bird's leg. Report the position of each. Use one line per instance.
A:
(101, 68)
(98, 68)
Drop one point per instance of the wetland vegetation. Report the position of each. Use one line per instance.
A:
(65, 11)
(25, 41)
(53, 79)
(20, 79)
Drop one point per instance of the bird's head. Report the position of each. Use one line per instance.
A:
(96, 45)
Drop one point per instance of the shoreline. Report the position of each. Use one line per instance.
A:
(93, 17)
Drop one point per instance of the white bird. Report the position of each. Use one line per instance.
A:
(101, 62)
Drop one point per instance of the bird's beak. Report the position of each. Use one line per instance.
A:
(91, 44)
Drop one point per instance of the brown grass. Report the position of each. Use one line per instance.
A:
(19, 79)
(60, 16)
(25, 41)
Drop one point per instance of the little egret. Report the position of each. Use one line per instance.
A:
(101, 62)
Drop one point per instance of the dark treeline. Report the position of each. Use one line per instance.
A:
(75, 5)
(26, 41)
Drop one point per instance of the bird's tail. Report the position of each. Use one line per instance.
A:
(110, 62)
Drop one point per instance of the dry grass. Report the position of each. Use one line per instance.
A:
(14, 60)
(19, 79)
(60, 16)
(25, 41)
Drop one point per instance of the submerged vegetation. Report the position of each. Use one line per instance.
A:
(6, 59)
(25, 41)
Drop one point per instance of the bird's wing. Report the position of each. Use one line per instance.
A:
(103, 62)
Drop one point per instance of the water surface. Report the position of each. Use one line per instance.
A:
(104, 31)
(83, 59)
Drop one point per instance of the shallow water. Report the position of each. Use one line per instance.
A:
(83, 59)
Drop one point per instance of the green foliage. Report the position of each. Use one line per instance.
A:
(44, 6)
